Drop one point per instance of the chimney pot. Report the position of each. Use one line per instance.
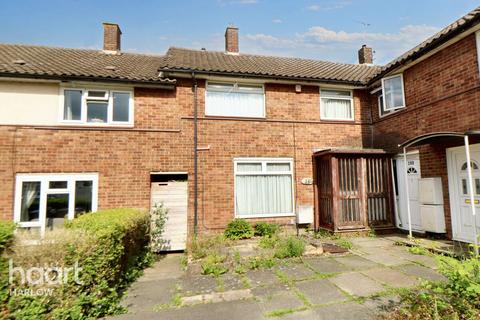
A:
(365, 55)
(231, 39)
(111, 37)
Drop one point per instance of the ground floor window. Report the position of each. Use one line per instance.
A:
(44, 201)
(263, 187)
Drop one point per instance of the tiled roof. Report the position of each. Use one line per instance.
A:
(40, 61)
(178, 59)
(434, 41)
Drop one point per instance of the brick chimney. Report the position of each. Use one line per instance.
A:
(231, 39)
(111, 37)
(365, 55)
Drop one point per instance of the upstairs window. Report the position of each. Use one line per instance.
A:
(97, 107)
(393, 94)
(234, 100)
(336, 105)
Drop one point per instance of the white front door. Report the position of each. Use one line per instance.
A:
(414, 175)
(460, 205)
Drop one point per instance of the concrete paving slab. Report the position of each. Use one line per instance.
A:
(320, 291)
(326, 265)
(357, 284)
(232, 310)
(281, 301)
(367, 242)
(386, 259)
(167, 267)
(262, 278)
(345, 311)
(391, 278)
(228, 281)
(355, 262)
(382, 305)
(197, 285)
(421, 272)
(304, 315)
(297, 272)
(146, 295)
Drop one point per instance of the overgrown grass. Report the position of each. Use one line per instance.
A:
(289, 247)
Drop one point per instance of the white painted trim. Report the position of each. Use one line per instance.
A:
(352, 108)
(44, 179)
(108, 98)
(403, 92)
(166, 173)
(264, 162)
(234, 83)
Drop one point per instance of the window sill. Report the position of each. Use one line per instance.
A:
(96, 125)
(271, 215)
(234, 117)
(337, 120)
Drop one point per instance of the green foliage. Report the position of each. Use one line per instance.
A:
(213, 265)
(110, 246)
(200, 247)
(264, 229)
(239, 229)
(267, 242)
(344, 243)
(159, 219)
(418, 250)
(261, 262)
(289, 247)
(6, 234)
(456, 298)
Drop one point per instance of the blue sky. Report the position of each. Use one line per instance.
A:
(320, 29)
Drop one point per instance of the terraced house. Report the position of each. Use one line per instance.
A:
(219, 135)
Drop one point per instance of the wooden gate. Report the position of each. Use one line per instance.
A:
(353, 190)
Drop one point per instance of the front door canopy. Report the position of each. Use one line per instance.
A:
(438, 137)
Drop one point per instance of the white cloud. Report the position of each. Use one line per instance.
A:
(332, 5)
(277, 20)
(322, 43)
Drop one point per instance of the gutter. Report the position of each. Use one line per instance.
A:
(138, 83)
(311, 81)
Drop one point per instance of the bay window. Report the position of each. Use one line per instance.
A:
(393, 93)
(93, 107)
(45, 201)
(234, 100)
(263, 187)
(336, 105)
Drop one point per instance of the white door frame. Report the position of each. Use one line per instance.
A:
(453, 183)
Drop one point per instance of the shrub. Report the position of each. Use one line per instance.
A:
(267, 242)
(456, 298)
(239, 229)
(200, 247)
(213, 265)
(6, 234)
(261, 262)
(264, 229)
(110, 246)
(289, 247)
(158, 218)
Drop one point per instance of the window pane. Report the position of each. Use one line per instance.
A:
(72, 105)
(97, 112)
(97, 94)
(57, 185)
(234, 104)
(263, 194)
(393, 93)
(335, 93)
(83, 196)
(30, 201)
(121, 102)
(57, 210)
(249, 167)
(226, 87)
(336, 109)
(464, 187)
(250, 88)
(477, 186)
(278, 167)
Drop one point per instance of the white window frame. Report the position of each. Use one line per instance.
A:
(264, 172)
(108, 97)
(380, 110)
(235, 84)
(403, 93)
(352, 108)
(45, 190)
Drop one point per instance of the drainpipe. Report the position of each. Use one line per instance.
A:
(195, 155)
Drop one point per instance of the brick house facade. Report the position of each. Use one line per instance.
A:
(441, 88)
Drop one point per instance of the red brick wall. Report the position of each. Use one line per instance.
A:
(125, 158)
(442, 93)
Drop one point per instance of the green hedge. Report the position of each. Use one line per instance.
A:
(111, 247)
